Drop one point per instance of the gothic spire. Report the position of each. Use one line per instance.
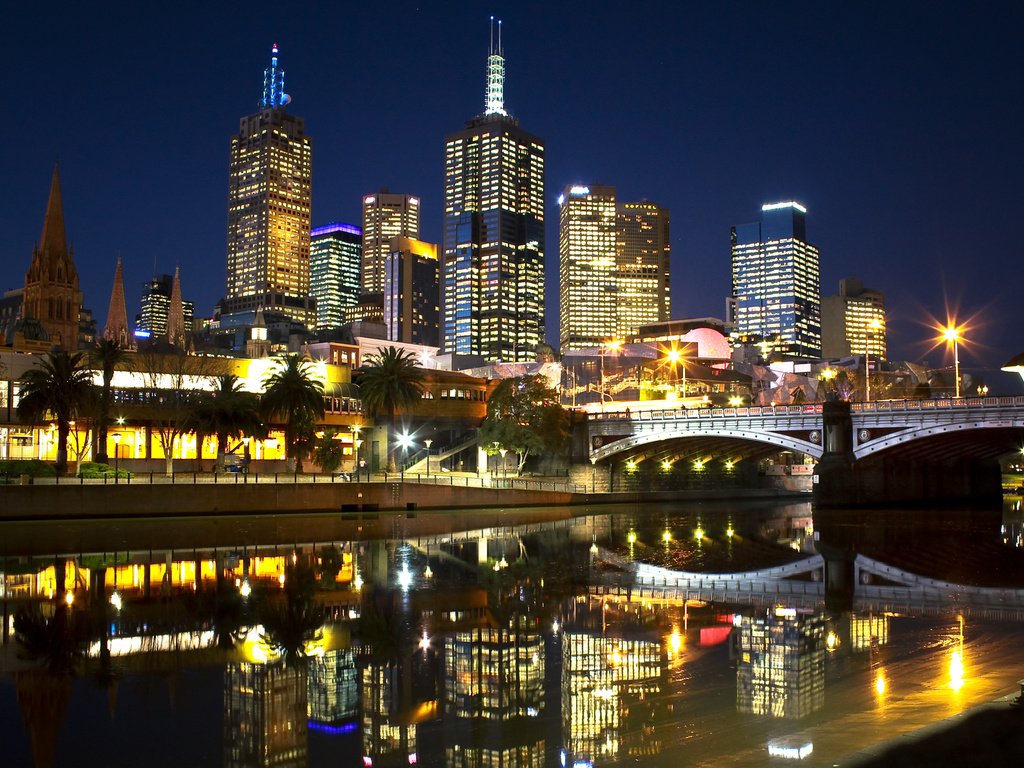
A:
(116, 329)
(273, 84)
(176, 314)
(53, 240)
(494, 98)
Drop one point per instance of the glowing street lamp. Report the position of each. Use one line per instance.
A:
(952, 334)
(428, 442)
(675, 357)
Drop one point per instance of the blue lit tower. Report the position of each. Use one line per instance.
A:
(492, 272)
(269, 199)
(776, 282)
(335, 251)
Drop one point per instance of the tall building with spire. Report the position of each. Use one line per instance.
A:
(116, 329)
(176, 314)
(492, 272)
(269, 201)
(154, 319)
(51, 294)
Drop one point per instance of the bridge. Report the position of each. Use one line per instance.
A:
(900, 432)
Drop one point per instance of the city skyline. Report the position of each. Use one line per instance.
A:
(905, 191)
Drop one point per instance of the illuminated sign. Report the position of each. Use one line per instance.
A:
(777, 206)
(142, 333)
(579, 190)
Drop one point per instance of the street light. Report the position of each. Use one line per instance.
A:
(428, 443)
(952, 333)
(675, 357)
(875, 325)
(593, 474)
(504, 466)
(117, 454)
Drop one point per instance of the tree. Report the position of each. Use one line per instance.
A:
(106, 356)
(390, 382)
(293, 397)
(227, 414)
(60, 385)
(328, 452)
(525, 417)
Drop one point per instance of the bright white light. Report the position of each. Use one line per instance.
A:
(561, 199)
(790, 204)
(579, 190)
(245, 590)
(115, 600)
(788, 752)
(424, 642)
(404, 578)
(69, 597)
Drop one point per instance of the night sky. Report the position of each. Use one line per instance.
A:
(898, 125)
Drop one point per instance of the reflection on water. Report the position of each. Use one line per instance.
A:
(635, 636)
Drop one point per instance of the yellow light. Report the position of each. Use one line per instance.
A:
(666, 536)
(675, 641)
(951, 333)
(699, 533)
(956, 671)
(630, 465)
(69, 597)
(880, 684)
(616, 657)
(729, 465)
(424, 642)
(632, 537)
(729, 532)
(828, 374)
(245, 589)
(698, 465)
(280, 579)
(673, 356)
(115, 600)
(831, 640)
(666, 465)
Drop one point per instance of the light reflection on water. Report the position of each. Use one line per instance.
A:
(513, 645)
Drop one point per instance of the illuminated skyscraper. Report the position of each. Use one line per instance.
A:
(853, 323)
(411, 292)
(269, 194)
(265, 716)
(335, 251)
(613, 266)
(155, 309)
(492, 270)
(385, 215)
(776, 281)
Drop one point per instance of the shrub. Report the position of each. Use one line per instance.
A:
(92, 470)
(32, 467)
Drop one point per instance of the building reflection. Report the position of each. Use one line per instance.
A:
(265, 715)
(613, 667)
(781, 666)
(494, 698)
(333, 690)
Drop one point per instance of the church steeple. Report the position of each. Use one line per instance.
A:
(51, 283)
(176, 314)
(116, 329)
(53, 241)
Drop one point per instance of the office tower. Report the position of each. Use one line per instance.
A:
(51, 294)
(642, 261)
(776, 283)
(265, 722)
(335, 251)
(155, 309)
(853, 322)
(385, 215)
(493, 251)
(333, 694)
(781, 666)
(116, 329)
(269, 193)
(586, 255)
(411, 292)
(613, 266)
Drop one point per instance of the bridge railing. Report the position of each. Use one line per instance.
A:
(877, 406)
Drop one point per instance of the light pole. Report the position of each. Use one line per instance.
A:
(875, 325)
(952, 333)
(428, 443)
(675, 357)
(504, 466)
(117, 454)
(358, 443)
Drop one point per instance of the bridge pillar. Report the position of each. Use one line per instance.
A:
(834, 483)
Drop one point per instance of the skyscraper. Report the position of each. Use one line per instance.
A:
(776, 282)
(335, 251)
(385, 215)
(155, 309)
(853, 323)
(613, 266)
(411, 292)
(586, 256)
(51, 294)
(269, 194)
(493, 251)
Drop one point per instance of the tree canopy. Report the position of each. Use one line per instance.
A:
(524, 416)
(291, 394)
(61, 385)
(390, 382)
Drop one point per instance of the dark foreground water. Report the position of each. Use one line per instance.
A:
(661, 635)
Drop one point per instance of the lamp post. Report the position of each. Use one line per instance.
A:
(358, 443)
(593, 474)
(504, 466)
(875, 325)
(675, 357)
(117, 454)
(428, 442)
(952, 333)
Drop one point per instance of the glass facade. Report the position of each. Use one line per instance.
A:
(155, 306)
(411, 292)
(335, 252)
(776, 281)
(492, 272)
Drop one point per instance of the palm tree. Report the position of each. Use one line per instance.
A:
(228, 414)
(106, 356)
(390, 382)
(292, 395)
(60, 385)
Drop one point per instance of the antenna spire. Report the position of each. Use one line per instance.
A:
(273, 84)
(494, 97)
